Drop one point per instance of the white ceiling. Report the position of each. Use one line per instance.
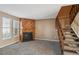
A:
(34, 11)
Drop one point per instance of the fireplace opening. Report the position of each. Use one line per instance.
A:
(27, 36)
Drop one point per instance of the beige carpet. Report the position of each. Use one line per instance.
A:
(37, 47)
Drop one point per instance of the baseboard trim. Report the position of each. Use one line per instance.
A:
(45, 39)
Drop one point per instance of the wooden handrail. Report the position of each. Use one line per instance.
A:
(60, 35)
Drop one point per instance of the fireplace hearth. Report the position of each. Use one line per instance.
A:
(27, 36)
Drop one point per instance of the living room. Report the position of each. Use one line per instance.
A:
(32, 29)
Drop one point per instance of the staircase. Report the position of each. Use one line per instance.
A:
(68, 39)
(71, 41)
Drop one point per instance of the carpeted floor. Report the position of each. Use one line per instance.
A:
(37, 47)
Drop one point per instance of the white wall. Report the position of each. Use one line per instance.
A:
(45, 30)
(75, 25)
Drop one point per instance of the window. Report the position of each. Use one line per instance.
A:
(6, 24)
(9, 28)
(15, 27)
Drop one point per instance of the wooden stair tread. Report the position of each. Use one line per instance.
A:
(71, 42)
(71, 45)
(68, 33)
(71, 37)
(71, 48)
(67, 48)
(68, 30)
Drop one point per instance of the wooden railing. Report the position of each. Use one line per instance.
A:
(60, 35)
